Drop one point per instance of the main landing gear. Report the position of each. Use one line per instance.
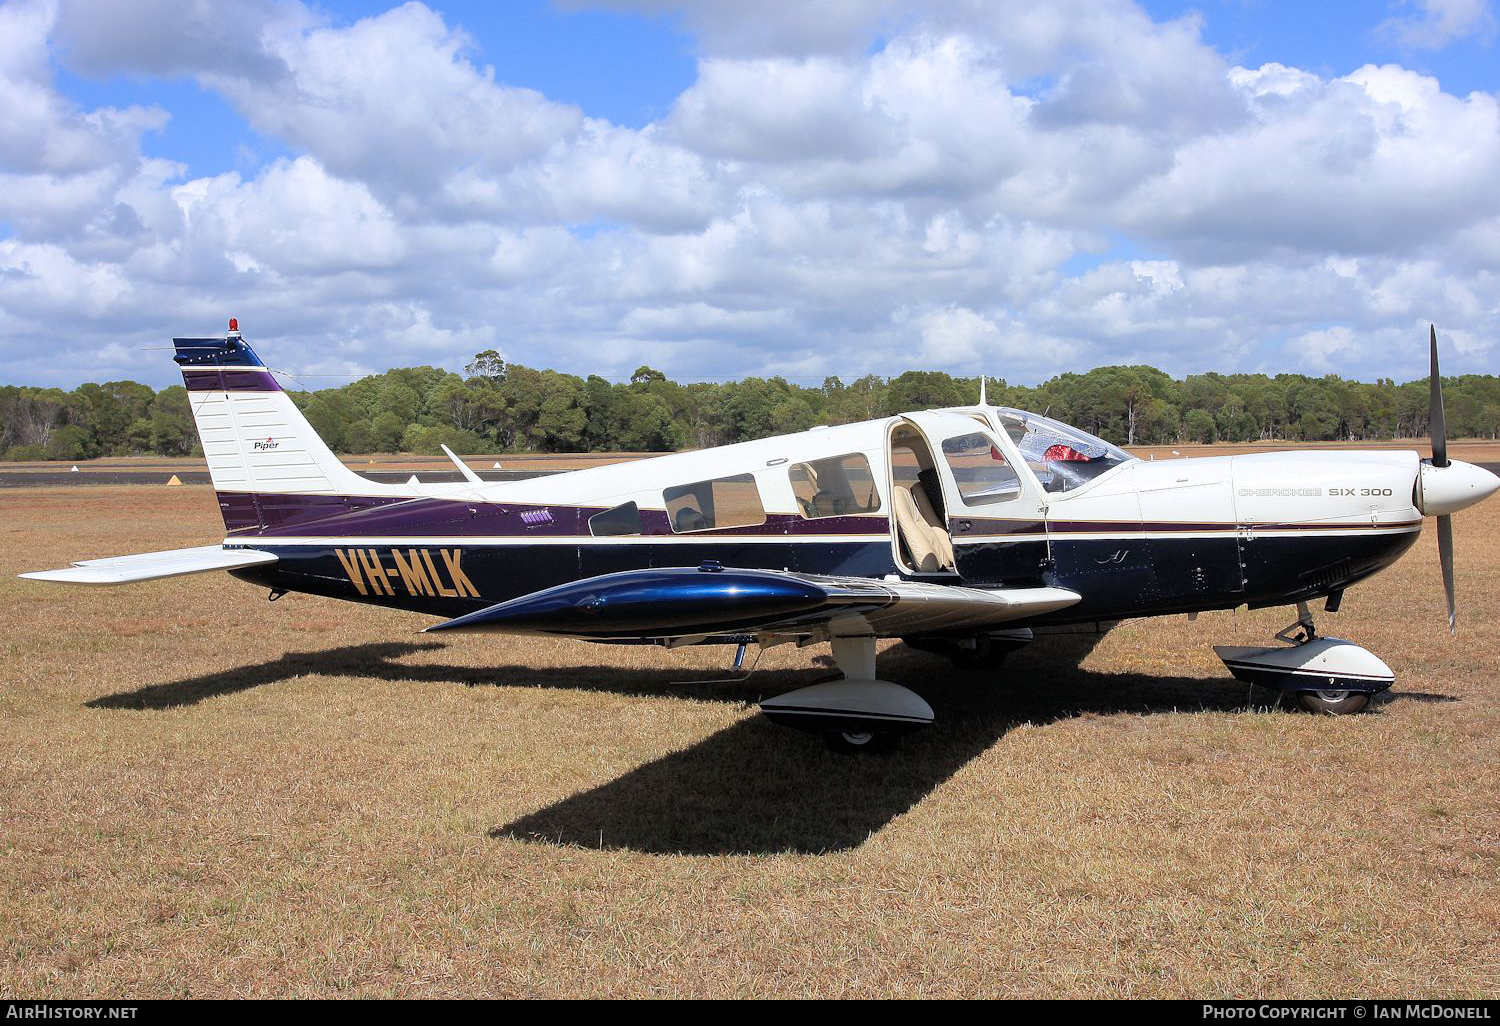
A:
(1327, 675)
(984, 651)
(855, 713)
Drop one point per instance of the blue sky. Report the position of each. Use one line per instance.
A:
(716, 190)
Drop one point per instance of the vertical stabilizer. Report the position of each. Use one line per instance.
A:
(254, 438)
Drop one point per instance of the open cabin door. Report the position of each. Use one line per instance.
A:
(987, 501)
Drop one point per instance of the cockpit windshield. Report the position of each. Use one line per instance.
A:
(1062, 457)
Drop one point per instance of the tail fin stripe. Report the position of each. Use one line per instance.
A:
(230, 380)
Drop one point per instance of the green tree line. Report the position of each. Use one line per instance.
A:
(497, 407)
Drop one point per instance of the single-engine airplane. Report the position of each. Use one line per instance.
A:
(965, 531)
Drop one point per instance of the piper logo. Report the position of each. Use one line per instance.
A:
(418, 574)
(266, 446)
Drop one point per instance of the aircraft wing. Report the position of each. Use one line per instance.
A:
(684, 602)
(149, 566)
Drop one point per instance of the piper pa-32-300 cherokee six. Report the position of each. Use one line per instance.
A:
(963, 531)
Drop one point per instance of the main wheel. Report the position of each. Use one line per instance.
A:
(1333, 701)
(860, 742)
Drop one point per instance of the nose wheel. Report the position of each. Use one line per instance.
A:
(1333, 701)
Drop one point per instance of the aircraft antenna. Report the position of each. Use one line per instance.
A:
(463, 468)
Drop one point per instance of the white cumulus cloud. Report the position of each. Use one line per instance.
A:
(1011, 187)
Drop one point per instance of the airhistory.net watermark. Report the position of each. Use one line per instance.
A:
(48, 1010)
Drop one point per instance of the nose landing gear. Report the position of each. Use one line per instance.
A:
(1328, 675)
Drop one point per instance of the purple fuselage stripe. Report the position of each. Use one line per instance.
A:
(369, 516)
(1004, 528)
(271, 514)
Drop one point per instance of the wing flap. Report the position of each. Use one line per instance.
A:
(919, 608)
(151, 566)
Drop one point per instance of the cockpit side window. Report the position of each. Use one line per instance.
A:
(833, 487)
(711, 505)
(1061, 456)
(981, 471)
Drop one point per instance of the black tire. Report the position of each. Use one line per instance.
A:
(1333, 702)
(860, 742)
(932, 645)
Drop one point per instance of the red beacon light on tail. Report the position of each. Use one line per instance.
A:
(234, 325)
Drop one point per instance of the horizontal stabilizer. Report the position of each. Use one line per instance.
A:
(149, 566)
(680, 602)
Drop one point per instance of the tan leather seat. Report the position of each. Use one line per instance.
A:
(930, 548)
(942, 544)
(914, 532)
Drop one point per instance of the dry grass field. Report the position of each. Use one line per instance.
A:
(207, 794)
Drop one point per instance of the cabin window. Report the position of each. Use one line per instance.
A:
(980, 470)
(713, 505)
(834, 487)
(623, 519)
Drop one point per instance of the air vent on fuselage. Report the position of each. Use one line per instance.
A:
(1327, 576)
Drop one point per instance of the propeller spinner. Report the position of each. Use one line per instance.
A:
(1446, 486)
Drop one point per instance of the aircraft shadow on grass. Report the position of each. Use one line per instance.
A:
(755, 788)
